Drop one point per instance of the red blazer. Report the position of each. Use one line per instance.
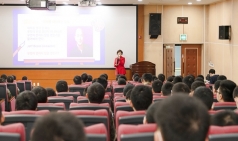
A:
(120, 69)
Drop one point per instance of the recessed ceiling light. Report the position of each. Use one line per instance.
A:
(139, 0)
(190, 3)
(198, 0)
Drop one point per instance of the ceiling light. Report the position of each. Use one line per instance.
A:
(140, 0)
(190, 3)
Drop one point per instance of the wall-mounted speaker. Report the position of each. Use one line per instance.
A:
(224, 32)
(155, 25)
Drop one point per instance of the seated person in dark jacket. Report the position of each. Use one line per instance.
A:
(213, 76)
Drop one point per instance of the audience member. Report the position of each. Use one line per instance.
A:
(235, 96)
(199, 79)
(140, 80)
(154, 78)
(122, 76)
(216, 86)
(177, 79)
(136, 79)
(213, 76)
(200, 76)
(225, 91)
(77, 80)
(8, 91)
(135, 75)
(181, 118)
(121, 81)
(90, 78)
(156, 86)
(102, 81)
(14, 77)
(221, 77)
(195, 85)
(205, 95)
(10, 79)
(150, 113)
(127, 88)
(4, 78)
(95, 93)
(61, 126)
(26, 100)
(41, 94)
(180, 88)
(170, 79)
(188, 80)
(224, 118)
(141, 97)
(84, 77)
(62, 86)
(146, 78)
(128, 96)
(117, 76)
(24, 78)
(50, 92)
(104, 75)
(166, 89)
(161, 77)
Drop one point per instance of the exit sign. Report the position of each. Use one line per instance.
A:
(182, 20)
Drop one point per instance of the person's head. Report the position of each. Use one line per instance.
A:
(170, 79)
(150, 112)
(154, 78)
(127, 88)
(10, 79)
(161, 77)
(195, 85)
(26, 100)
(205, 95)
(177, 79)
(62, 126)
(216, 86)
(62, 86)
(167, 88)
(79, 37)
(200, 76)
(90, 78)
(128, 96)
(199, 79)
(134, 75)
(77, 80)
(104, 75)
(212, 72)
(221, 77)
(24, 78)
(225, 91)
(136, 78)
(121, 81)
(50, 92)
(188, 80)
(117, 76)
(4, 77)
(95, 93)
(181, 118)
(146, 78)
(40, 93)
(141, 97)
(14, 77)
(224, 118)
(102, 81)
(119, 52)
(156, 86)
(2, 118)
(84, 77)
(179, 88)
(122, 76)
(140, 80)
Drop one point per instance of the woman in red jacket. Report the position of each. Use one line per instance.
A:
(119, 63)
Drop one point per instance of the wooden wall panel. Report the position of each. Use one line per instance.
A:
(49, 77)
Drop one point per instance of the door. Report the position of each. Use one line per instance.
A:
(191, 60)
(168, 61)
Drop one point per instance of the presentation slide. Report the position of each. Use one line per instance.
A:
(70, 37)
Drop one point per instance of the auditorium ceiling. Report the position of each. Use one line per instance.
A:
(146, 2)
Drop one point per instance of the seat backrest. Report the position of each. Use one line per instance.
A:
(13, 103)
(89, 106)
(59, 99)
(12, 88)
(122, 106)
(97, 132)
(118, 95)
(214, 130)
(77, 88)
(224, 105)
(142, 132)
(118, 88)
(26, 119)
(74, 94)
(52, 107)
(4, 95)
(125, 117)
(82, 99)
(13, 132)
(28, 84)
(158, 98)
(224, 137)
(27, 112)
(21, 85)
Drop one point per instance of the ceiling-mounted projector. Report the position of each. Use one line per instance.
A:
(42, 5)
(86, 3)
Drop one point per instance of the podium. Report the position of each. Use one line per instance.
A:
(142, 67)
